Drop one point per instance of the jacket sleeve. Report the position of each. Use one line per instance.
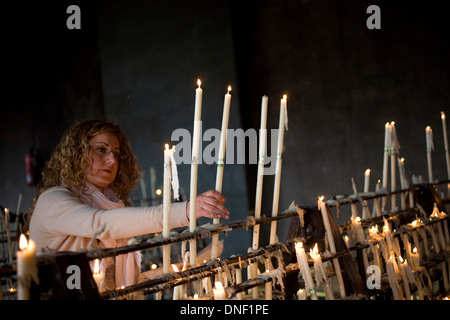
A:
(58, 211)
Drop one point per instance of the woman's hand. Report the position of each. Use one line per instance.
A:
(210, 205)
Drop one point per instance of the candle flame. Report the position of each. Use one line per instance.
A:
(284, 98)
(23, 243)
(218, 285)
(358, 219)
(387, 125)
(392, 123)
(367, 173)
(415, 250)
(402, 160)
(442, 115)
(196, 296)
(153, 266)
(175, 268)
(321, 198)
(229, 89)
(298, 245)
(199, 83)
(96, 266)
(428, 128)
(401, 259)
(315, 250)
(166, 146)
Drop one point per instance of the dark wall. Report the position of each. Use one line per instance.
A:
(152, 54)
(343, 83)
(51, 79)
(137, 63)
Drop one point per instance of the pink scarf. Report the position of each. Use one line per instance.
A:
(124, 269)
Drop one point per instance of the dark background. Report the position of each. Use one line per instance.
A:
(137, 63)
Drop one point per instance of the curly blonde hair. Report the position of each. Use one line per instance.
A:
(70, 159)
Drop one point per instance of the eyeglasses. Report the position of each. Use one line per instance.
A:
(102, 152)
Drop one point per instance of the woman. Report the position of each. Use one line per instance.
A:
(85, 185)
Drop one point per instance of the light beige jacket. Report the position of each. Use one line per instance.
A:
(62, 222)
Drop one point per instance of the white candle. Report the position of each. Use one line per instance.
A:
(268, 289)
(26, 267)
(301, 294)
(259, 185)
(329, 233)
(194, 172)
(430, 148)
(393, 148)
(320, 274)
(403, 266)
(277, 183)
(259, 182)
(444, 130)
(98, 275)
(415, 260)
(366, 180)
(387, 133)
(166, 207)
(219, 291)
(220, 164)
(8, 236)
(177, 290)
(303, 265)
(376, 201)
(388, 236)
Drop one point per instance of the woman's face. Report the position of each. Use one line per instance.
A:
(104, 152)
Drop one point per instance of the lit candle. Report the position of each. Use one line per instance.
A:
(194, 172)
(301, 294)
(415, 260)
(98, 275)
(392, 277)
(331, 244)
(403, 180)
(430, 148)
(403, 266)
(177, 290)
(320, 274)
(277, 183)
(220, 164)
(303, 265)
(388, 236)
(26, 267)
(366, 180)
(219, 291)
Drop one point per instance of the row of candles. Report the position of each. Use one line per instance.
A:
(171, 181)
(219, 175)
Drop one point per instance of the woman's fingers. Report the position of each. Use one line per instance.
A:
(210, 205)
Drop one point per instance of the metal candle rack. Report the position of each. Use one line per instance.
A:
(53, 265)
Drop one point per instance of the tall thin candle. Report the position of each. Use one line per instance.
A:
(194, 172)
(276, 190)
(259, 186)
(259, 182)
(430, 148)
(220, 163)
(166, 207)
